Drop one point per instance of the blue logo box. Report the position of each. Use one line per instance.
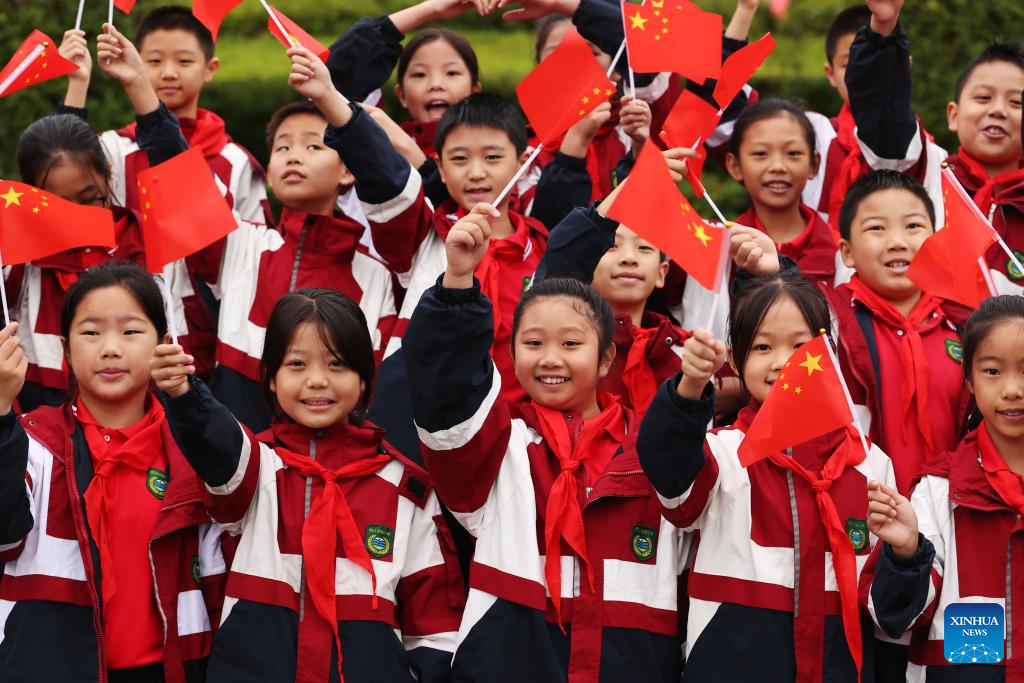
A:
(974, 633)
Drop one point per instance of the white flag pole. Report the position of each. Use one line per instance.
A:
(277, 22)
(519, 174)
(172, 319)
(78, 18)
(20, 69)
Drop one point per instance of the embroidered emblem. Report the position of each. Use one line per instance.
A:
(156, 482)
(857, 532)
(195, 570)
(1012, 269)
(379, 540)
(644, 542)
(955, 350)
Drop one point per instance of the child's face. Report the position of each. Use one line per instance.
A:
(76, 183)
(437, 77)
(629, 271)
(836, 69)
(554, 39)
(177, 68)
(997, 380)
(557, 355)
(110, 344)
(476, 164)
(782, 332)
(887, 230)
(314, 388)
(304, 173)
(775, 162)
(987, 117)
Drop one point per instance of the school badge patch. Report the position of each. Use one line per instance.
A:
(955, 350)
(379, 540)
(1011, 268)
(644, 542)
(156, 482)
(195, 570)
(857, 532)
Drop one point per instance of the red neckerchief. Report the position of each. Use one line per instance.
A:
(423, 133)
(206, 132)
(637, 375)
(849, 170)
(563, 517)
(850, 453)
(145, 443)
(1005, 188)
(912, 357)
(330, 518)
(1007, 483)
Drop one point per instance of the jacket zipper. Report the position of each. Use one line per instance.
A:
(305, 515)
(298, 256)
(152, 565)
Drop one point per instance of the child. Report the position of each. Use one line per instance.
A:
(763, 606)
(550, 488)
(954, 541)
(772, 153)
(340, 564)
(114, 571)
(899, 347)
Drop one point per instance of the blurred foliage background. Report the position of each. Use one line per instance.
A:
(251, 83)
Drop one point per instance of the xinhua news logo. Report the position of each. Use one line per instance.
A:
(974, 633)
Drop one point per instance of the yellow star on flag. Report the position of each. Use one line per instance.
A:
(659, 5)
(637, 21)
(657, 37)
(798, 390)
(609, 92)
(35, 209)
(11, 197)
(597, 91)
(785, 387)
(586, 100)
(812, 363)
(702, 236)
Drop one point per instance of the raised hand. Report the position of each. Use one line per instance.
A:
(170, 368)
(582, 133)
(703, 356)
(466, 246)
(118, 57)
(752, 250)
(75, 48)
(13, 366)
(635, 119)
(534, 9)
(310, 78)
(892, 519)
(884, 15)
(676, 160)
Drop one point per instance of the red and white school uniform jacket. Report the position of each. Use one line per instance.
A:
(763, 554)
(495, 472)
(814, 250)
(51, 623)
(406, 634)
(971, 551)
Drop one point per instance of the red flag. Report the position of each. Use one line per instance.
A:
(807, 400)
(297, 35)
(650, 205)
(34, 224)
(182, 209)
(669, 36)
(564, 88)
(946, 265)
(35, 61)
(740, 66)
(124, 5)
(211, 13)
(689, 124)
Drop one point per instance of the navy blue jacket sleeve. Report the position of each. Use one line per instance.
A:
(576, 245)
(600, 22)
(207, 433)
(899, 587)
(564, 185)
(381, 172)
(80, 112)
(447, 347)
(159, 135)
(878, 81)
(15, 509)
(433, 187)
(363, 58)
(671, 439)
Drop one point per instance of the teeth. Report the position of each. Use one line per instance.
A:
(553, 380)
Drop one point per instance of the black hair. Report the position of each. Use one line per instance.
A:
(850, 20)
(757, 296)
(991, 312)
(544, 27)
(286, 112)
(457, 41)
(175, 18)
(339, 323)
(585, 300)
(483, 110)
(879, 181)
(132, 278)
(54, 138)
(767, 109)
(1011, 53)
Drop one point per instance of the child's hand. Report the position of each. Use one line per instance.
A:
(582, 133)
(884, 15)
(13, 366)
(466, 246)
(752, 250)
(676, 160)
(400, 140)
(170, 368)
(535, 9)
(446, 9)
(309, 76)
(75, 48)
(703, 356)
(891, 517)
(118, 57)
(635, 119)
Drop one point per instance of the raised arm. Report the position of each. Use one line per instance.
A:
(16, 481)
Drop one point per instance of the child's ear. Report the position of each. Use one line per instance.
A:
(524, 156)
(345, 177)
(273, 386)
(400, 94)
(830, 74)
(815, 163)
(970, 386)
(846, 252)
(732, 363)
(440, 167)
(607, 358)
(732, 165)
(211, 69)
(951, 116)
(476, 87)
(663, 267)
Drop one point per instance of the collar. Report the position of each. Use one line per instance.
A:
(963, 468)
(207, 132)
(424, 135)
(331, 237)
(153, 408)
(863, 296)
(814, 247)
(1007, 188)
(337, 445)
(448, 213)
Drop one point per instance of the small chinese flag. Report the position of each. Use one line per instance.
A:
(650, 205)
(35, 61)
(34, 224)
(739, 68)
(564, 88)
(297, 35)
(211, 13)
(124, 5)
(182, 209)
(946, 265)
(690, 123)
(806, 401)
(666, 35)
